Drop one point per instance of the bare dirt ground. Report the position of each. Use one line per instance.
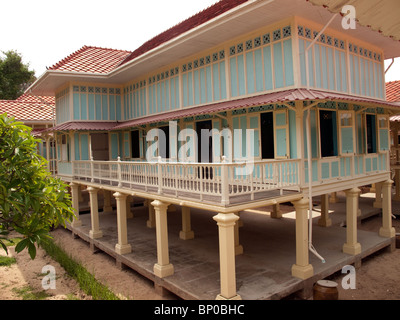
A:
(377, 279)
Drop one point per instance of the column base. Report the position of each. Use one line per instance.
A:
(352, 249)
(238, 250)
(95, 234)
(387, 233)
(163, 271)
(377, 204)
(236, 297)
(76, 223)
(123, 248)
(107, 209)
(151, 224)
(325, 222)
(302, 272)
(186, 235)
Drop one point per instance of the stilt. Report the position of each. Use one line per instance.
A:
(151, 223)
(302, 269)
(378, 195)
(163, 268)
(226, 223)
(107, 207)
(333, 198)
(238, 246)
(325, 221)
(76, 222)
(122, 247)
(186, 232)
(95, 231)
(276, 211)
(129, 202)
(352, 246)
(387, 231)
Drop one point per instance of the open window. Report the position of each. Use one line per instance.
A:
(328, 133)
(370, 121)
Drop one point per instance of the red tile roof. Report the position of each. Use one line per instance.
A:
(92, 60)
(198, 19)
(29, 108)
(393, 91)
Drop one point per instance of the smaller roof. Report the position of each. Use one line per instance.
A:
(393, 91)
(92, 60)
(29, 108)
(84, 126)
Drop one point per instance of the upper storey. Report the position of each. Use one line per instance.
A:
(232, 50)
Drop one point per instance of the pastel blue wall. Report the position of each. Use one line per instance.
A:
(330, 70)
(95, 103)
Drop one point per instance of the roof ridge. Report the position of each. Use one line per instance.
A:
(67, 59)
(188, 24)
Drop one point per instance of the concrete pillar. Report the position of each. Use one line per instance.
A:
(352, 246)
(186, 232)
(122, 247)
(226, 223)
(151, 223)
(107, 207)
(129, 202)
(387, 231)
(378, 195)
(238, 246)
(95, 231)
(333, 198)
(302, 269)
(76, 222)
(324, 220)
(163, 268)
(276, 211)
(396, 196)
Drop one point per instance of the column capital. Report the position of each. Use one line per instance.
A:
(388, 182)
(353, 192)
(119, 195)
(226, 219)
(92, 190)
(302, 203)
(159, 204)
(74, 185)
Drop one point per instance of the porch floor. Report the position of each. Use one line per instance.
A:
(263, 271)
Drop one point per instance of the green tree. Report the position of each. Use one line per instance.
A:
(31, 200)
(15, 76)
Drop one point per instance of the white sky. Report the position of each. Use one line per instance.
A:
(46, 31)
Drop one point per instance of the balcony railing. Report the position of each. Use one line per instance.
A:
(222, 183)
(228, 183)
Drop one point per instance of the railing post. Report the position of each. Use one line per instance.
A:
(91, 170)
(119, 172)
(159, 174)
(224, 182)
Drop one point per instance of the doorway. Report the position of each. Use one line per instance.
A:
(100, 148)
(267, 135)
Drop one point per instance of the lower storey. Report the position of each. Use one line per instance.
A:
(265, 248)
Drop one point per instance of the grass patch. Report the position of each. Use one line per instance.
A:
(27, 293)
(86, 280)
(7, 261)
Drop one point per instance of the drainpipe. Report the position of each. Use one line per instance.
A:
(309, 160)
(389, 66)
